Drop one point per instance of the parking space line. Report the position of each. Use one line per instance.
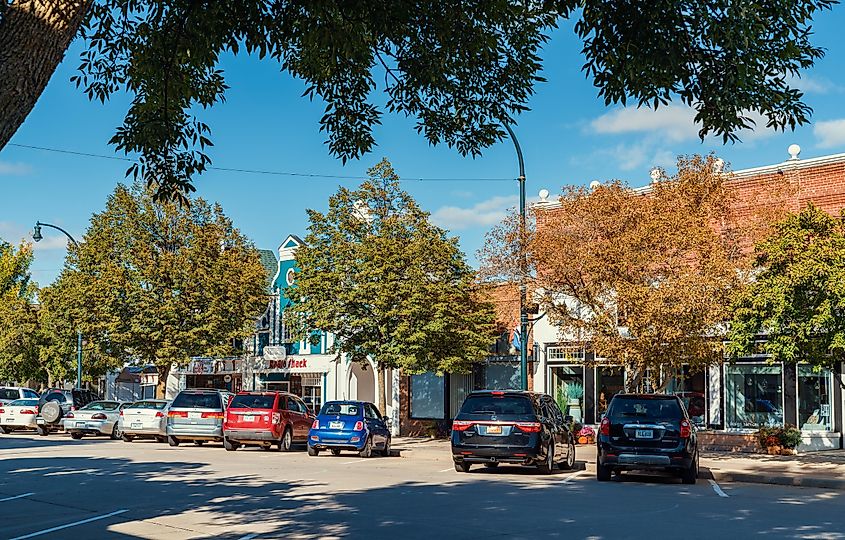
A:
(449, 469)
(68, 525)
(572, 476)
(718, 489)
(17, 497)
(248, 537)
(351, 462)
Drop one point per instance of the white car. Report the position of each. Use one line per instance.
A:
(144, 419)
(9, 394)
(18, 414)
(96, 418)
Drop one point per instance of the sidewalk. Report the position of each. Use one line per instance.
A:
(812, 469)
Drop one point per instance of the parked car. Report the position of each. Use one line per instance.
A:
(349, 425)
(18, 414)
(266, 419)
(9, 394)
(197, 415)
(647, 432)
(95, 418)
(517, 427)
(55, 403)
(145, 419)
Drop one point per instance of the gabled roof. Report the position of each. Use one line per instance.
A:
(292, 242)
(270, 264)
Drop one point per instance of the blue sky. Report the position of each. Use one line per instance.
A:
(569, 137)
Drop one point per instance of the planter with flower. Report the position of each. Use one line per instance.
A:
(779, 441)
(586, 435)
(575, 391)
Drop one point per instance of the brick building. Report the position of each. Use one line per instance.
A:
(734, 398)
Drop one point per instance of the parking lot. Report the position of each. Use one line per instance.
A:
(96, 488)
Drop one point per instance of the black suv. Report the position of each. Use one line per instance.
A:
(55, 403)
(516, 427)
(647, 432)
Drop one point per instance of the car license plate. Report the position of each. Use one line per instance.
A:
(194, 415)
(80, 424)
(40, 421)
(644, 434)
(137, 425)
(494, 430)
(249, 417)
(10, 420)
(336, 425)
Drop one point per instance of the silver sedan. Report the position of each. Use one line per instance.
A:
(96, 418)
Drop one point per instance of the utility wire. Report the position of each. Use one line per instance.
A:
(257, 171)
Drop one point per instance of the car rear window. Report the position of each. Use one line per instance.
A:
(9, 393)
(252, 401)
(210, 400)
(101, 406)
(342, 409)
(24, 402)
(148, 405)
(488, 404)
(652, 408)
(55, 396)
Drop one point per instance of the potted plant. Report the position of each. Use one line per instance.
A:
(586, 435)
(790, 438)
(779, 441)
(575, 391)
(562, 398)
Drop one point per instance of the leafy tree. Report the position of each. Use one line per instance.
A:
(19, 336)
(460, 68)
(644, 279)
(388, 284)
(158, 283)
(796, 297)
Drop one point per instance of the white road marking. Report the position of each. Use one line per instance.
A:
(449, 469)
(351, 462)
(717, 489)
(248, 537)
(572, 476)
(68, 525)
(17, 497)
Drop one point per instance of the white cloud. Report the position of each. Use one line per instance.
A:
(485, 213)
(814, 85)
(830, 133)
(8, 168)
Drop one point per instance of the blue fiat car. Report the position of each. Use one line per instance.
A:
(355, 426)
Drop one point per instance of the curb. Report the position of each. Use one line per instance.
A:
(774, 479)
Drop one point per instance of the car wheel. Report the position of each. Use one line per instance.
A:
(229, 445)
(385, 452)
(128, 438)
(287, 440)
(4, 430)
(491, 465)
(463, 466)
(313, 451)
(172, 441)
(75, 435)
(603, 473)
(335, 451)
(570, 456)
(115, 433)
(42, 431)
(367, 451)
(548, 464)
(690, 475)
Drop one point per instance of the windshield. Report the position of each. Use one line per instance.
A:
(24, 402)
(9, 393)
(148, 405)
(101, 406)
(203, 400)
(489, 404)
(252, 401)
(656, 409)
(342, 409)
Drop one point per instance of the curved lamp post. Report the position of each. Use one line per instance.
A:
(36, 235)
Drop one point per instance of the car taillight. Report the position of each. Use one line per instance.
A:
(121, 413)
(2, 411)
(604, 429)
(315, 425)
(217, 415)
(529, 427)
(686, 429)
(25, 411)
(359, 425)
(98, 416)
(69, 415)
(178, 414)
(461, 425)
(497, 394)
(159, 414)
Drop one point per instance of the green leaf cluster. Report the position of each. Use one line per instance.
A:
(157, 283)
(388, 284)
(20, 338)
(796, 299)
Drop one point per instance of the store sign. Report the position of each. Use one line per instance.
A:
(210, 366)
(298, 364)
(149, 379)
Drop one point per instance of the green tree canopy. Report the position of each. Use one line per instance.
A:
(796, 298)
(19, 335)
(460, 68)
(388, 284)
(158, 283)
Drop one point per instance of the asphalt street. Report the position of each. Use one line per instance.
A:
(54, 487)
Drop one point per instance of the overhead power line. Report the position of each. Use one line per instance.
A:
(258, 171)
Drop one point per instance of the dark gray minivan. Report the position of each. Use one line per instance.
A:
(196, 415)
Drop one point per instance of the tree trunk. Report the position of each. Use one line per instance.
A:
(382, 390)
(34, 35)
(161, 387)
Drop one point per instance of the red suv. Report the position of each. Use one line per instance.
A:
(266, 419)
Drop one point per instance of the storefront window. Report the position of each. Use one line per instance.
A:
(690, 387)
(427, 396)
(564, 382)
(814, 389)
(459, 386)
(502, 377)
(753, 395)
(610, 380)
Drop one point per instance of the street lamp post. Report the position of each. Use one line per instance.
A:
(523, 265)
(36, 235)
